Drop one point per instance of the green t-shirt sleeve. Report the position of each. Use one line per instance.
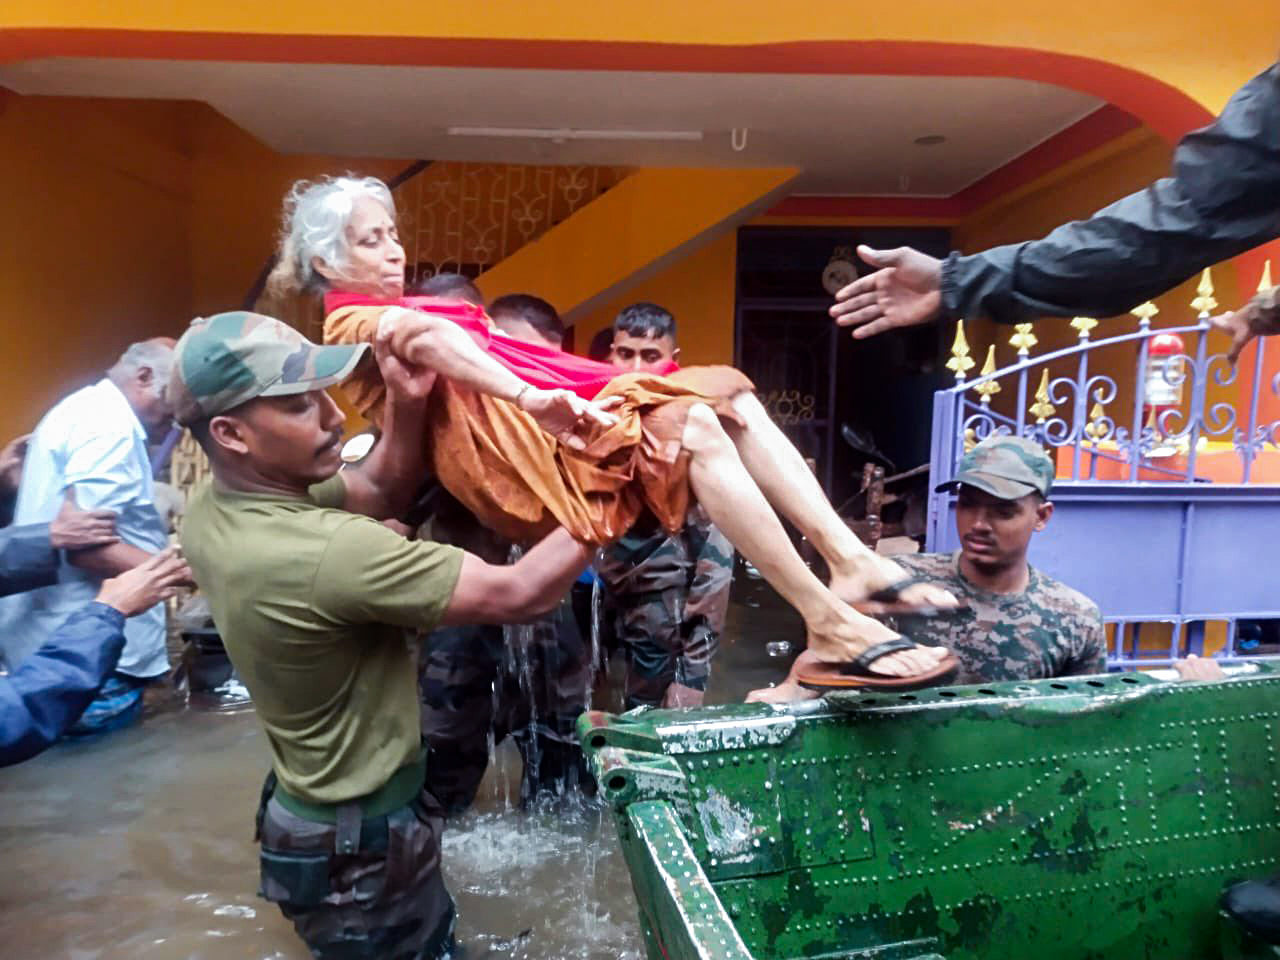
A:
(329, 493)
(370, 574)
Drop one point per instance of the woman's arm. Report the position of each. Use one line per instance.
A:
(516, 593)
(439, 344)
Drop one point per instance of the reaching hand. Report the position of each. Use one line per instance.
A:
(11, 460)
(786, 692)
(155, 579)
(563, 414)
(76, 529)
(1236, 325)
(403, 380)
(789, 689)
(1197, 668)
(905, 291)
(1260, 317)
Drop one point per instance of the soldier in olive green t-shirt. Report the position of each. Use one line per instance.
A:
(315, 601)
(333, 594)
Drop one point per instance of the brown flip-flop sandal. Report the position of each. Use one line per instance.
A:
(857, 672)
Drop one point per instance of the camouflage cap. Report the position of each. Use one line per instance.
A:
(1005, 467)
(224, 360)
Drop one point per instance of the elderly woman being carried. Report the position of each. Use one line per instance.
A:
(529, 437)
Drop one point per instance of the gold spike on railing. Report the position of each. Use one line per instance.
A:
(990, 388)
(1144, 312)
(1042, 409)
(1265, 283)
(960, 362)
(1084, 326)
(1095, 429)
(1023, 339)
(1204, 303)
(970, 439)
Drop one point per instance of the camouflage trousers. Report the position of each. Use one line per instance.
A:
(480, 684)
(660, 645)
(386, 901)
(668, 596)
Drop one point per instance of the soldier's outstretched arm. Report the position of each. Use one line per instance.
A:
(1220, 201)
(521, 591)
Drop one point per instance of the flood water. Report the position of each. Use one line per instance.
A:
(140, 846)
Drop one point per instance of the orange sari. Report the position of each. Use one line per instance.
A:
(519, 480)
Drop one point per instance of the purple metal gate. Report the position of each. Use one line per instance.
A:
(1160, 516)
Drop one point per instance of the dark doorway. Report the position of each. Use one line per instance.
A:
(812, 376)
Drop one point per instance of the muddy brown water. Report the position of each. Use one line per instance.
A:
(139, 846)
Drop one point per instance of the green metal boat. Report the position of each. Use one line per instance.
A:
(1093, 817)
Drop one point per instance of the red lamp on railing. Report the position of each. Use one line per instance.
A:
(1159, 394)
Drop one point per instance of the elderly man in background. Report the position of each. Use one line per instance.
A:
(92, 448)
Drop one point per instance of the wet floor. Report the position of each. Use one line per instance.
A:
(139, 846)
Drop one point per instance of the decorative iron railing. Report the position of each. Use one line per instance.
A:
(1181, 400)
(1160, 444)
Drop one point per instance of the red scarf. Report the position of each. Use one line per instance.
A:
(544, 367)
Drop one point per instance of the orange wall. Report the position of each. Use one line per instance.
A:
(97, 202)
(238, 185)
(655, 217)
(125, 219)
(698, 290)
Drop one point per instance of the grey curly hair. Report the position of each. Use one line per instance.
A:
(314, 225)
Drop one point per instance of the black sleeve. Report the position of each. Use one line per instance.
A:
(27, 561)
(1223, 199)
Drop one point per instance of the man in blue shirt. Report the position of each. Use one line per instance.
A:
(93, 444)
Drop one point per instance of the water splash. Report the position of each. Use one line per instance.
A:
(555, 874)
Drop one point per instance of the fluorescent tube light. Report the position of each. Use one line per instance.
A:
(565, 133)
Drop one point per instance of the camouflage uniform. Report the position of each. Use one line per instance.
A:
(1047, 630)
(384, 900)
(530, 682)
(670, 594)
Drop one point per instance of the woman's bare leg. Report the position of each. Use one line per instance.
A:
(735, 504)
(788, 483)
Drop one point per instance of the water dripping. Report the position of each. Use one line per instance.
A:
(597, 616)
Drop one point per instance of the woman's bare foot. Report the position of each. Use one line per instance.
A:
(864, 575)
(844, 634)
